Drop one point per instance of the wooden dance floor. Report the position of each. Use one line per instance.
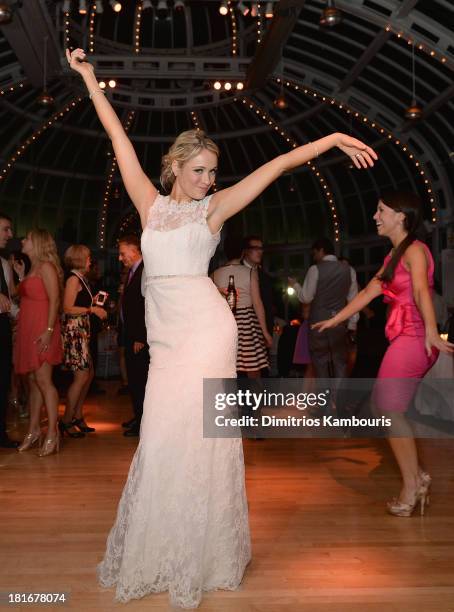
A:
(321, 538)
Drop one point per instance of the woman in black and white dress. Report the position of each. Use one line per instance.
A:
(253, 336)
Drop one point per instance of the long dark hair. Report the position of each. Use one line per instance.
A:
(410, 205)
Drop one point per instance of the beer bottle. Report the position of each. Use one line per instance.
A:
(231, 294)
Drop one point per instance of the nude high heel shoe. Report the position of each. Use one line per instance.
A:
(50, 445)
(29, 441)
(397, 508)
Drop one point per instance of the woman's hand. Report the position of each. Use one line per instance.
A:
(323, 325)
(76, 60)
(19, 268)
(43, 341)
(361, 155)
(268, 339)
(433, 340)
(99, 312)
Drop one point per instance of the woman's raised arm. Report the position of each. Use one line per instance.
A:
(139, 187)
(224, 204)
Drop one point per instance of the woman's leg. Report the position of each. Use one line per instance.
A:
(43, 377)
(35, 403)
(74, 394)
(89, 374)
(406, 454)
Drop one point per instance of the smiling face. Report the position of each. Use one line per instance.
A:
(388, 221)
(195, 177)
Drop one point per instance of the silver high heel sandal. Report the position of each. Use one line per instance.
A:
(29, 441)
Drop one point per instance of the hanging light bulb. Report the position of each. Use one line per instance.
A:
(116, 6)
(146, 5)
(83, 7)
(227, 86)
(331, 16)
(280, 102)
(6, 13)
(217, 85)
(413, 112)
(240, 85)
(45, 99)
(269, 10)
(223, 8)
(112, 83)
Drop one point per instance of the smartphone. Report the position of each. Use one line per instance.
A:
(100, 298)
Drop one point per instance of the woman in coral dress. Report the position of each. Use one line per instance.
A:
(182, 523)
(406, 281)
(38, 345)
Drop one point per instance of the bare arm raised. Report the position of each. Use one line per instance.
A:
(224, 204)
(139, 187)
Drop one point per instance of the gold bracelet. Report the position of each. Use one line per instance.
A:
(94, 92)
(315, 147)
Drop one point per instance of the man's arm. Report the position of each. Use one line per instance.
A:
(306, 293)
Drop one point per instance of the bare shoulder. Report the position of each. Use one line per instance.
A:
(47, 268)
(416, 253)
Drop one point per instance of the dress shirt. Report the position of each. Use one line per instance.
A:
(306, 293)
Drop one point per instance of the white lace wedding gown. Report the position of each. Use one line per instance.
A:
(182, 522)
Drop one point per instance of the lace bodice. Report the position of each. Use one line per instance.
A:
(177, 240)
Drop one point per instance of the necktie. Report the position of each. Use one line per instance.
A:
(130, 275)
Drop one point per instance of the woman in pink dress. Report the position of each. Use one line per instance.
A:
(406, 281)
(38, 345)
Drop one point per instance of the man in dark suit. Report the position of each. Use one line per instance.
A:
(5, 331)
(132, 328)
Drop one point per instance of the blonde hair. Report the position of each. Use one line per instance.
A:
(187, 145)
(46, 250)
(76, 256)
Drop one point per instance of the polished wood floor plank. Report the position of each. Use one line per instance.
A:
(321, 538)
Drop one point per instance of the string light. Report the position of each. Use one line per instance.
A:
(11, 88)
(404, 147)
(421, 46)
(265, 117)
(195, 121)
(137, 25)
(36, 134)
(67, 38)
(259, 23)
(91, 28)
(108, 189)
(233, 22)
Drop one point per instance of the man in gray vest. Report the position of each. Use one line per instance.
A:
(328, 286)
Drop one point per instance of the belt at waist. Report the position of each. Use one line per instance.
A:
(161, 276)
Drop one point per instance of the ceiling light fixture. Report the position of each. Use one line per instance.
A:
(99, 7)
(179, 5)
(331, 16)
(227, 86)
(83, 7)
(66, 6)
(112, 83)
(413, 112)
(223, 8)
(146, 5)
(269, 14)
(217, 85)
(116, 6)
(45, 99)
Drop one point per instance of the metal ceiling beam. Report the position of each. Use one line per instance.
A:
(269, 51)
(26, 33)
(365, 59)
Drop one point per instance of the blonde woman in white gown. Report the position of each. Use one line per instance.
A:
(182, 522)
